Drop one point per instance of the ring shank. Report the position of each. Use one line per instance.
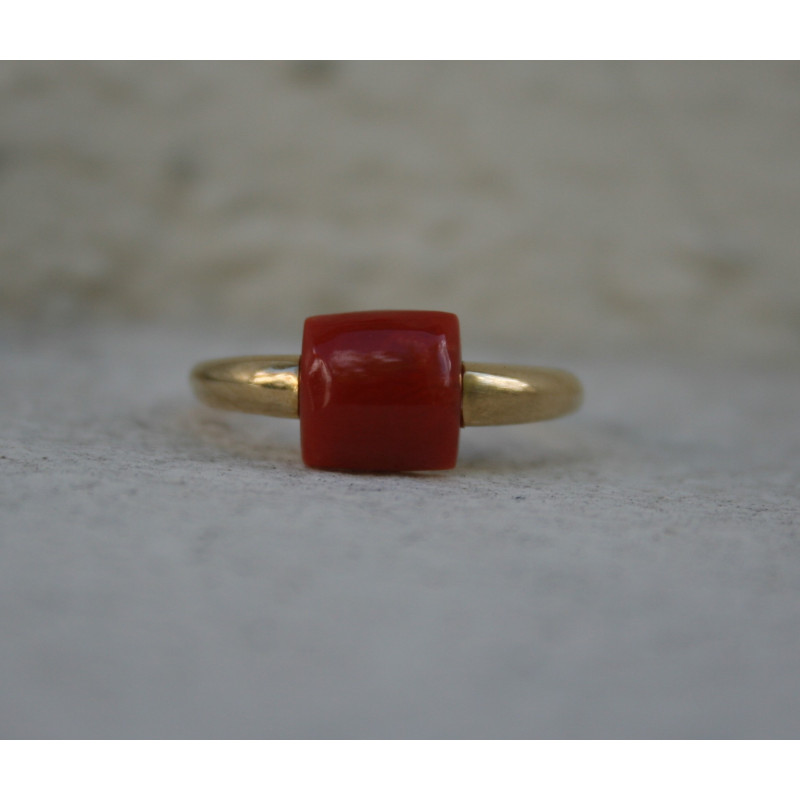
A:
(492, 394)
(506, 394)
(253, 384)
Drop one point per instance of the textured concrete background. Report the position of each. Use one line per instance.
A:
(167, 570)
(589, 204)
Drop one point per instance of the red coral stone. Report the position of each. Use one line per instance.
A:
(380, 391)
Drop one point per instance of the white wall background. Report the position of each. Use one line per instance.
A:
(578, 206)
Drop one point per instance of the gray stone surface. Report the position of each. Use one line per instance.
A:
(167, 570)
(172, 571)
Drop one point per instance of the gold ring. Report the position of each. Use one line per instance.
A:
(384, 390)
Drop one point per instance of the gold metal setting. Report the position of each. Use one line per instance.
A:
(492, 394)
(505, 394)
(253, 384)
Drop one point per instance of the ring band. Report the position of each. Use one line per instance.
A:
(492, 394)
(384, 390)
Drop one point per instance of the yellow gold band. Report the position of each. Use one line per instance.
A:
(492, 394)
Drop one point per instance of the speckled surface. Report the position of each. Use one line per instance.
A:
(171, 571)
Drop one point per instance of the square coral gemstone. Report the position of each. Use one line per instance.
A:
(381, 391)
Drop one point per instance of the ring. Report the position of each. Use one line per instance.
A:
(384, 391)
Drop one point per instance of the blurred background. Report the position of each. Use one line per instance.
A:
(571, 205)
